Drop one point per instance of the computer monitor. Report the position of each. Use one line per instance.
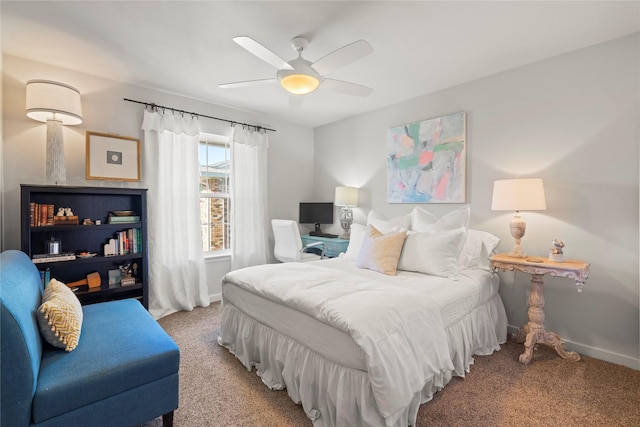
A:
(316, 213)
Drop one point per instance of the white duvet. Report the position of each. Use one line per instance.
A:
(403, 338)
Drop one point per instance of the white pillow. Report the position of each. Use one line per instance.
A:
(422, 220)
(477, 250)
(384, 225)
(435, 252)
(355, 241)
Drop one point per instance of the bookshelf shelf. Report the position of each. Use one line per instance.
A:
(94, 203)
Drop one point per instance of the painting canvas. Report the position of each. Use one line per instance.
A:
(426, 161)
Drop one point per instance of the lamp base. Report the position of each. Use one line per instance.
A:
(517, 227)
(56, 172)
(517, 255)
(346, 218)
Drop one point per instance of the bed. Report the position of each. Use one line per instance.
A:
(356, 347)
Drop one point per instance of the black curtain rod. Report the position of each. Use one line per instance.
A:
(233, 122)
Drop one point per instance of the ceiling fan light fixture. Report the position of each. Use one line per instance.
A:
(299, 84)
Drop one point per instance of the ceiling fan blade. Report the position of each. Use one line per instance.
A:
(347, 88)
(295, 101)
(342, 57)
(246, 83)
(262, 52)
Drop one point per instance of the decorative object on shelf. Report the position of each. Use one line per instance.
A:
(347, 198)
(112, 157)
(115, 276)
(92, 280)
(53, 247)
(556, 253)
(56, 104)
(127, 276)
(65, 216)
(87, 221)
(86, 254)
(121, 213)
(426, 161)
(516, 195)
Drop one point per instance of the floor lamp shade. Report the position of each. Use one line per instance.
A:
(347, 197)
(56, 104)
(518, 195)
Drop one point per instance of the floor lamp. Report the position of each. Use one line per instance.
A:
(56, 104)
(346, 197)
(518, 195)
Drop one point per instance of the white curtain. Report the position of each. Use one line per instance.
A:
(250, 223)
(171, 173)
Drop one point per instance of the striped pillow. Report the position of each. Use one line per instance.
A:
(60, 316)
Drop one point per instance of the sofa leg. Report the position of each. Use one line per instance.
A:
(167, 419)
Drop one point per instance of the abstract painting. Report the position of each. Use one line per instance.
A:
(426, 161)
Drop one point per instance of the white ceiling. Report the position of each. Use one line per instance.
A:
(186, 47)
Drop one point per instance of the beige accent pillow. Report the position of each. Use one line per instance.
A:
(60, 316)
(381, 252)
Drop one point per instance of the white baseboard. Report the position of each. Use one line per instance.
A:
(215, 297)
(595, 352)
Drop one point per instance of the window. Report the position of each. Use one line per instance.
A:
(215, 205)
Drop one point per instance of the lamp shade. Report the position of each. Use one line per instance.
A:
(346, 196)
(48, 100)
(518, 195)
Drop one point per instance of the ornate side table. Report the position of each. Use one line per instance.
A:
(534, 331)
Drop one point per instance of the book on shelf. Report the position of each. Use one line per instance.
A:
(66, 220)
(123, 219)
(39, 258)
(45, 276)
(124, 242)
(40, 214)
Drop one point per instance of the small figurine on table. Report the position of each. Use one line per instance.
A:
(556, 253)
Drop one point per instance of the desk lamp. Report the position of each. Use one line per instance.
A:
(347, 197)
(516, 195)
(56, 104)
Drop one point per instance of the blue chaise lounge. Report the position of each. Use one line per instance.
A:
(123, 372)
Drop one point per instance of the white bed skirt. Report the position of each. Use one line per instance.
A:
(334, 395)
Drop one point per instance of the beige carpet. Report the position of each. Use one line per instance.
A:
(216, 390)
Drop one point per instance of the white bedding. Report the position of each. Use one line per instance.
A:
(406, 334)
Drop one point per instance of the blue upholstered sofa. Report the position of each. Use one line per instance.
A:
(123, 372)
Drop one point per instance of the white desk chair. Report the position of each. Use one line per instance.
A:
(288, 246)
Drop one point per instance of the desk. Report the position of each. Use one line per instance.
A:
(534, 331)
(332, 246)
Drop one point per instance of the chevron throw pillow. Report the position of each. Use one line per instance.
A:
(60, 316)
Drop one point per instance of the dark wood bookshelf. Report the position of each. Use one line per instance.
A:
(94, 203)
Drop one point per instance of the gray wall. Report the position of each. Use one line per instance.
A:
(290, 152)
(571, 120)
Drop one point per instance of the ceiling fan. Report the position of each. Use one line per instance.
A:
(301, 77)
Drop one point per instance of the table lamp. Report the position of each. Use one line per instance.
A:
(518, 195)
(56, 104)
(346, 197)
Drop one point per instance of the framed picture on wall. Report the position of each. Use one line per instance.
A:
(426, 161)
(112, 157)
